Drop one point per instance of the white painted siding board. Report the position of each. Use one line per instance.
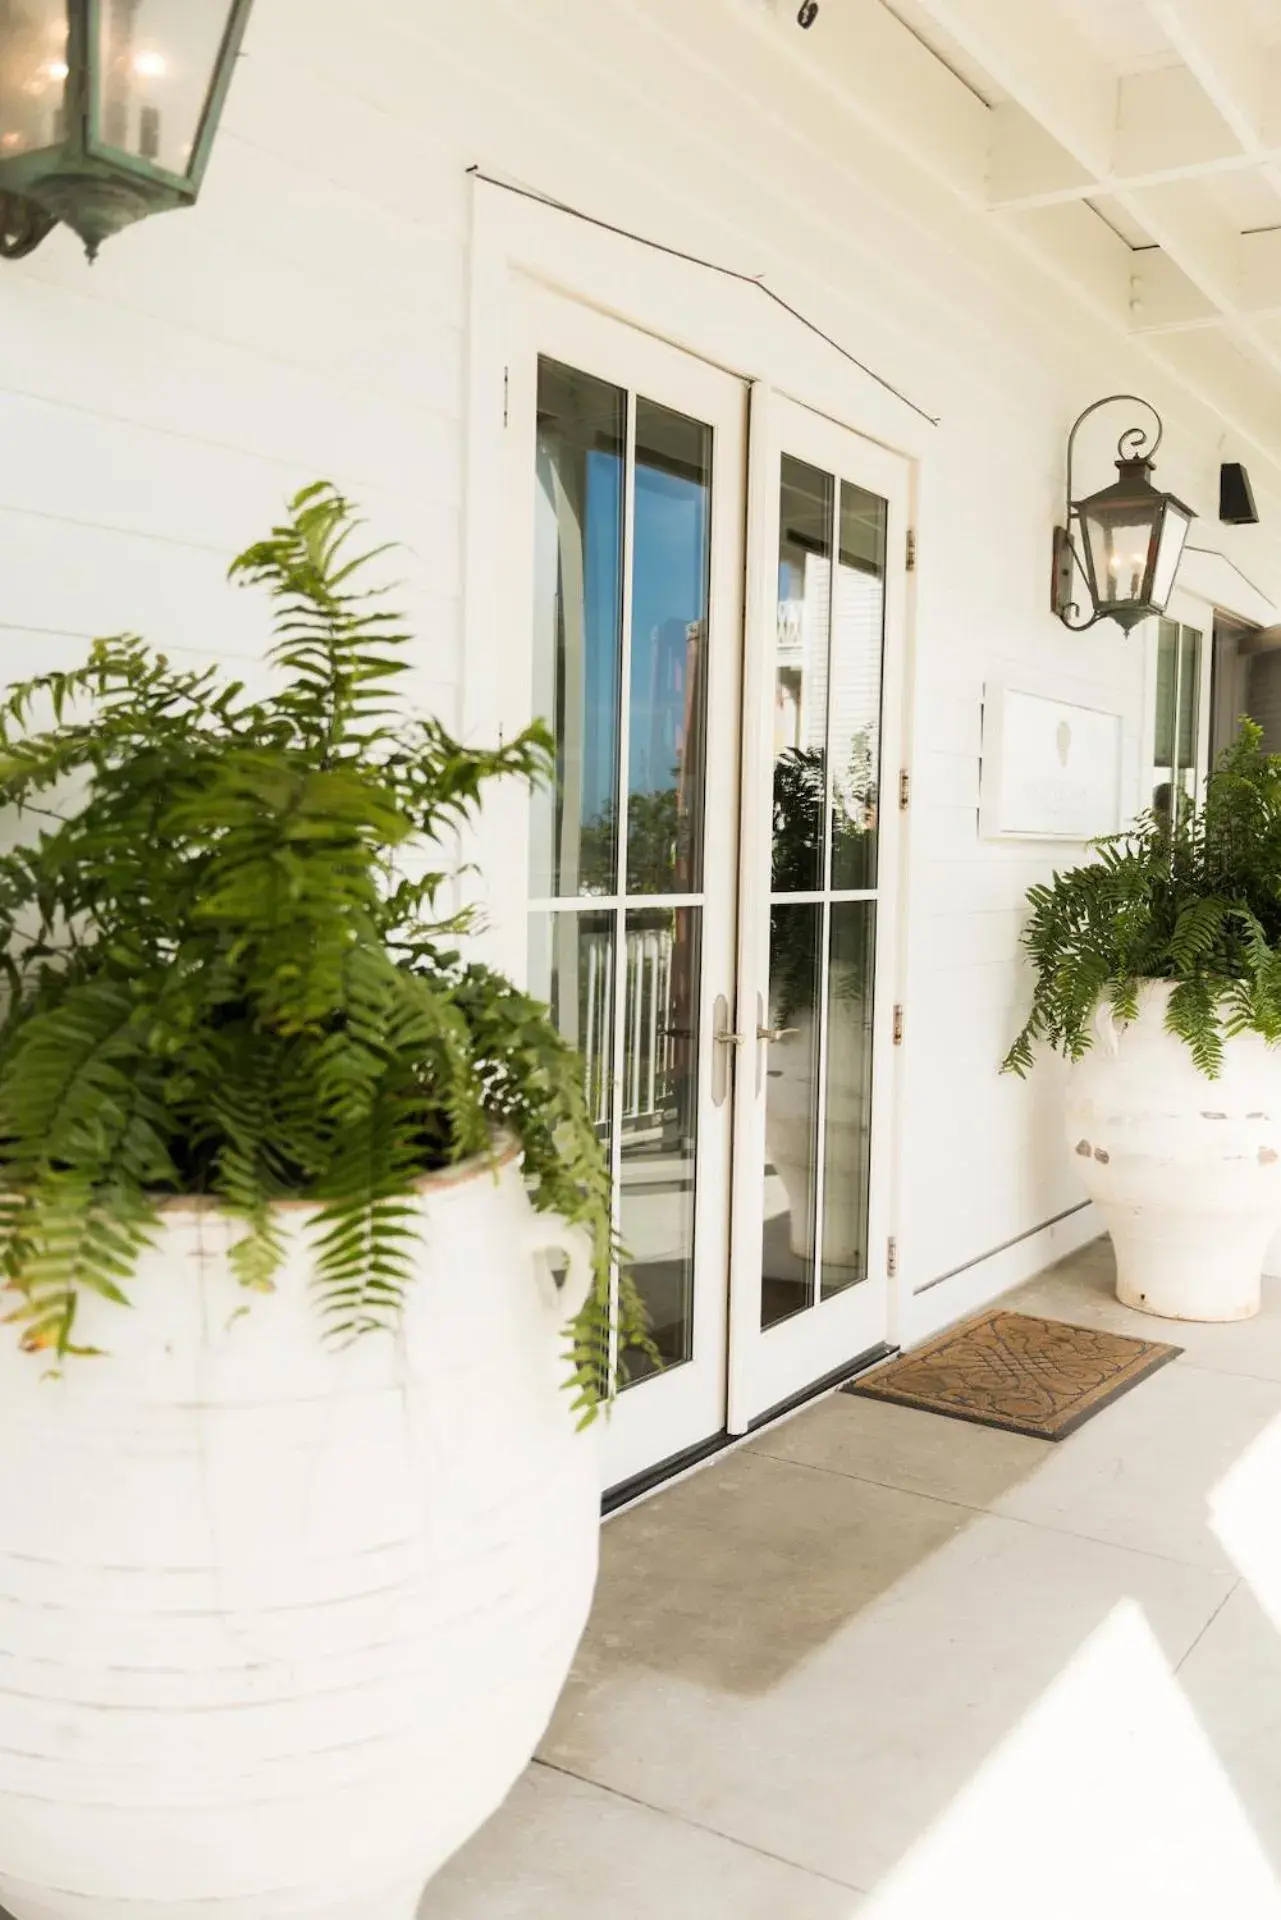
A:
(183, 382)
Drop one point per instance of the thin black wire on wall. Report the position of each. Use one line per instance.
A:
(711, 266)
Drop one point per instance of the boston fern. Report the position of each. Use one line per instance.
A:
(1196, 900)
(227, 974)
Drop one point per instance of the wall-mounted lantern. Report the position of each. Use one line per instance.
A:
(108, 110)
(1126, 541)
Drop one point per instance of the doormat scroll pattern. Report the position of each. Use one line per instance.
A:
(1017, 1371)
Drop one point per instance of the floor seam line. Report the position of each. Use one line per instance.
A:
(699, 1826)
(964, 1506)
(1238, 1582)
(1186, 1364)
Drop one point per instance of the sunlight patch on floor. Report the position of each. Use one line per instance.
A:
(1243, 1517)
(1106, 1802)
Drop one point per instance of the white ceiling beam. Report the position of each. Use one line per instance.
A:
(1196, 235)
(1166, 129)
(1220, 46)
(1164, 300)
(1027, 167)
(881, 73)
(1168, 126)
(1058, 80)
(1049, 70)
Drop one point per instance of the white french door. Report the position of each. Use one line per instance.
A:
(706, 898)
(632, 457)
(819, 862)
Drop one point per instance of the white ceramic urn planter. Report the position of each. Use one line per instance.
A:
(1185, 1170)
(280, 1625)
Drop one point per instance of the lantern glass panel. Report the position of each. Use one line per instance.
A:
(157, 60)
(1174, 533)
(33, 75)
(1119, 539)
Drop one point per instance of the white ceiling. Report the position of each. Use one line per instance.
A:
(1123, 33)
(1161, 118)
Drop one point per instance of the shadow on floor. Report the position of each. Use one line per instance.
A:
(906, 1661)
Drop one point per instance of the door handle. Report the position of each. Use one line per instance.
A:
(773, 1034)
(725, 1038)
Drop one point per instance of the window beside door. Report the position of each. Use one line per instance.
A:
(1178, 665)
(1176, 759)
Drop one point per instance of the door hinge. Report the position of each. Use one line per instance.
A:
(904, 790)
(507, 388)
(898, 1026)
(891, 1256)
(911, 549)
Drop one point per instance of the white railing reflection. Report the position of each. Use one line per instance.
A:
(649, 1064)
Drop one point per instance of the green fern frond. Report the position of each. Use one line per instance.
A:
(1196, 901)
(221, 980)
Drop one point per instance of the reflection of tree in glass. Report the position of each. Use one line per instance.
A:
(658, 846)
(597, 857)
(800, 802)
(800, 806)
(658, 836)
(855, 793)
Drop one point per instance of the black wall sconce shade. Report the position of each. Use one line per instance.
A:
(1125, 541)
(108, 111)
(1236, 497)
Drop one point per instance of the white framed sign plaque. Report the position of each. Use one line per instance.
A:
(1051, 770)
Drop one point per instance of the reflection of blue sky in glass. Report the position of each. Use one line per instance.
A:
(669, 592)
(603, 589)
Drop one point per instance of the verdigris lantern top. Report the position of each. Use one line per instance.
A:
(108, 110)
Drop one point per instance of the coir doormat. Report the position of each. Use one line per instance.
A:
(1019, 1372)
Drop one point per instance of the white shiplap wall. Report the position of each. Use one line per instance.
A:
(310, 318)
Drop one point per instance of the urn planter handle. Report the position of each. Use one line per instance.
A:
(1105, 1028)
(549, 1233)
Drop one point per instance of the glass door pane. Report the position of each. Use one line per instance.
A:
(824, 864)
(847, 1118)
(621, 624)
(791, 1111)
(578, 627)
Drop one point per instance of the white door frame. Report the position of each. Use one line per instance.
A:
(516, 241)
(721, 320)
(769, 1368)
